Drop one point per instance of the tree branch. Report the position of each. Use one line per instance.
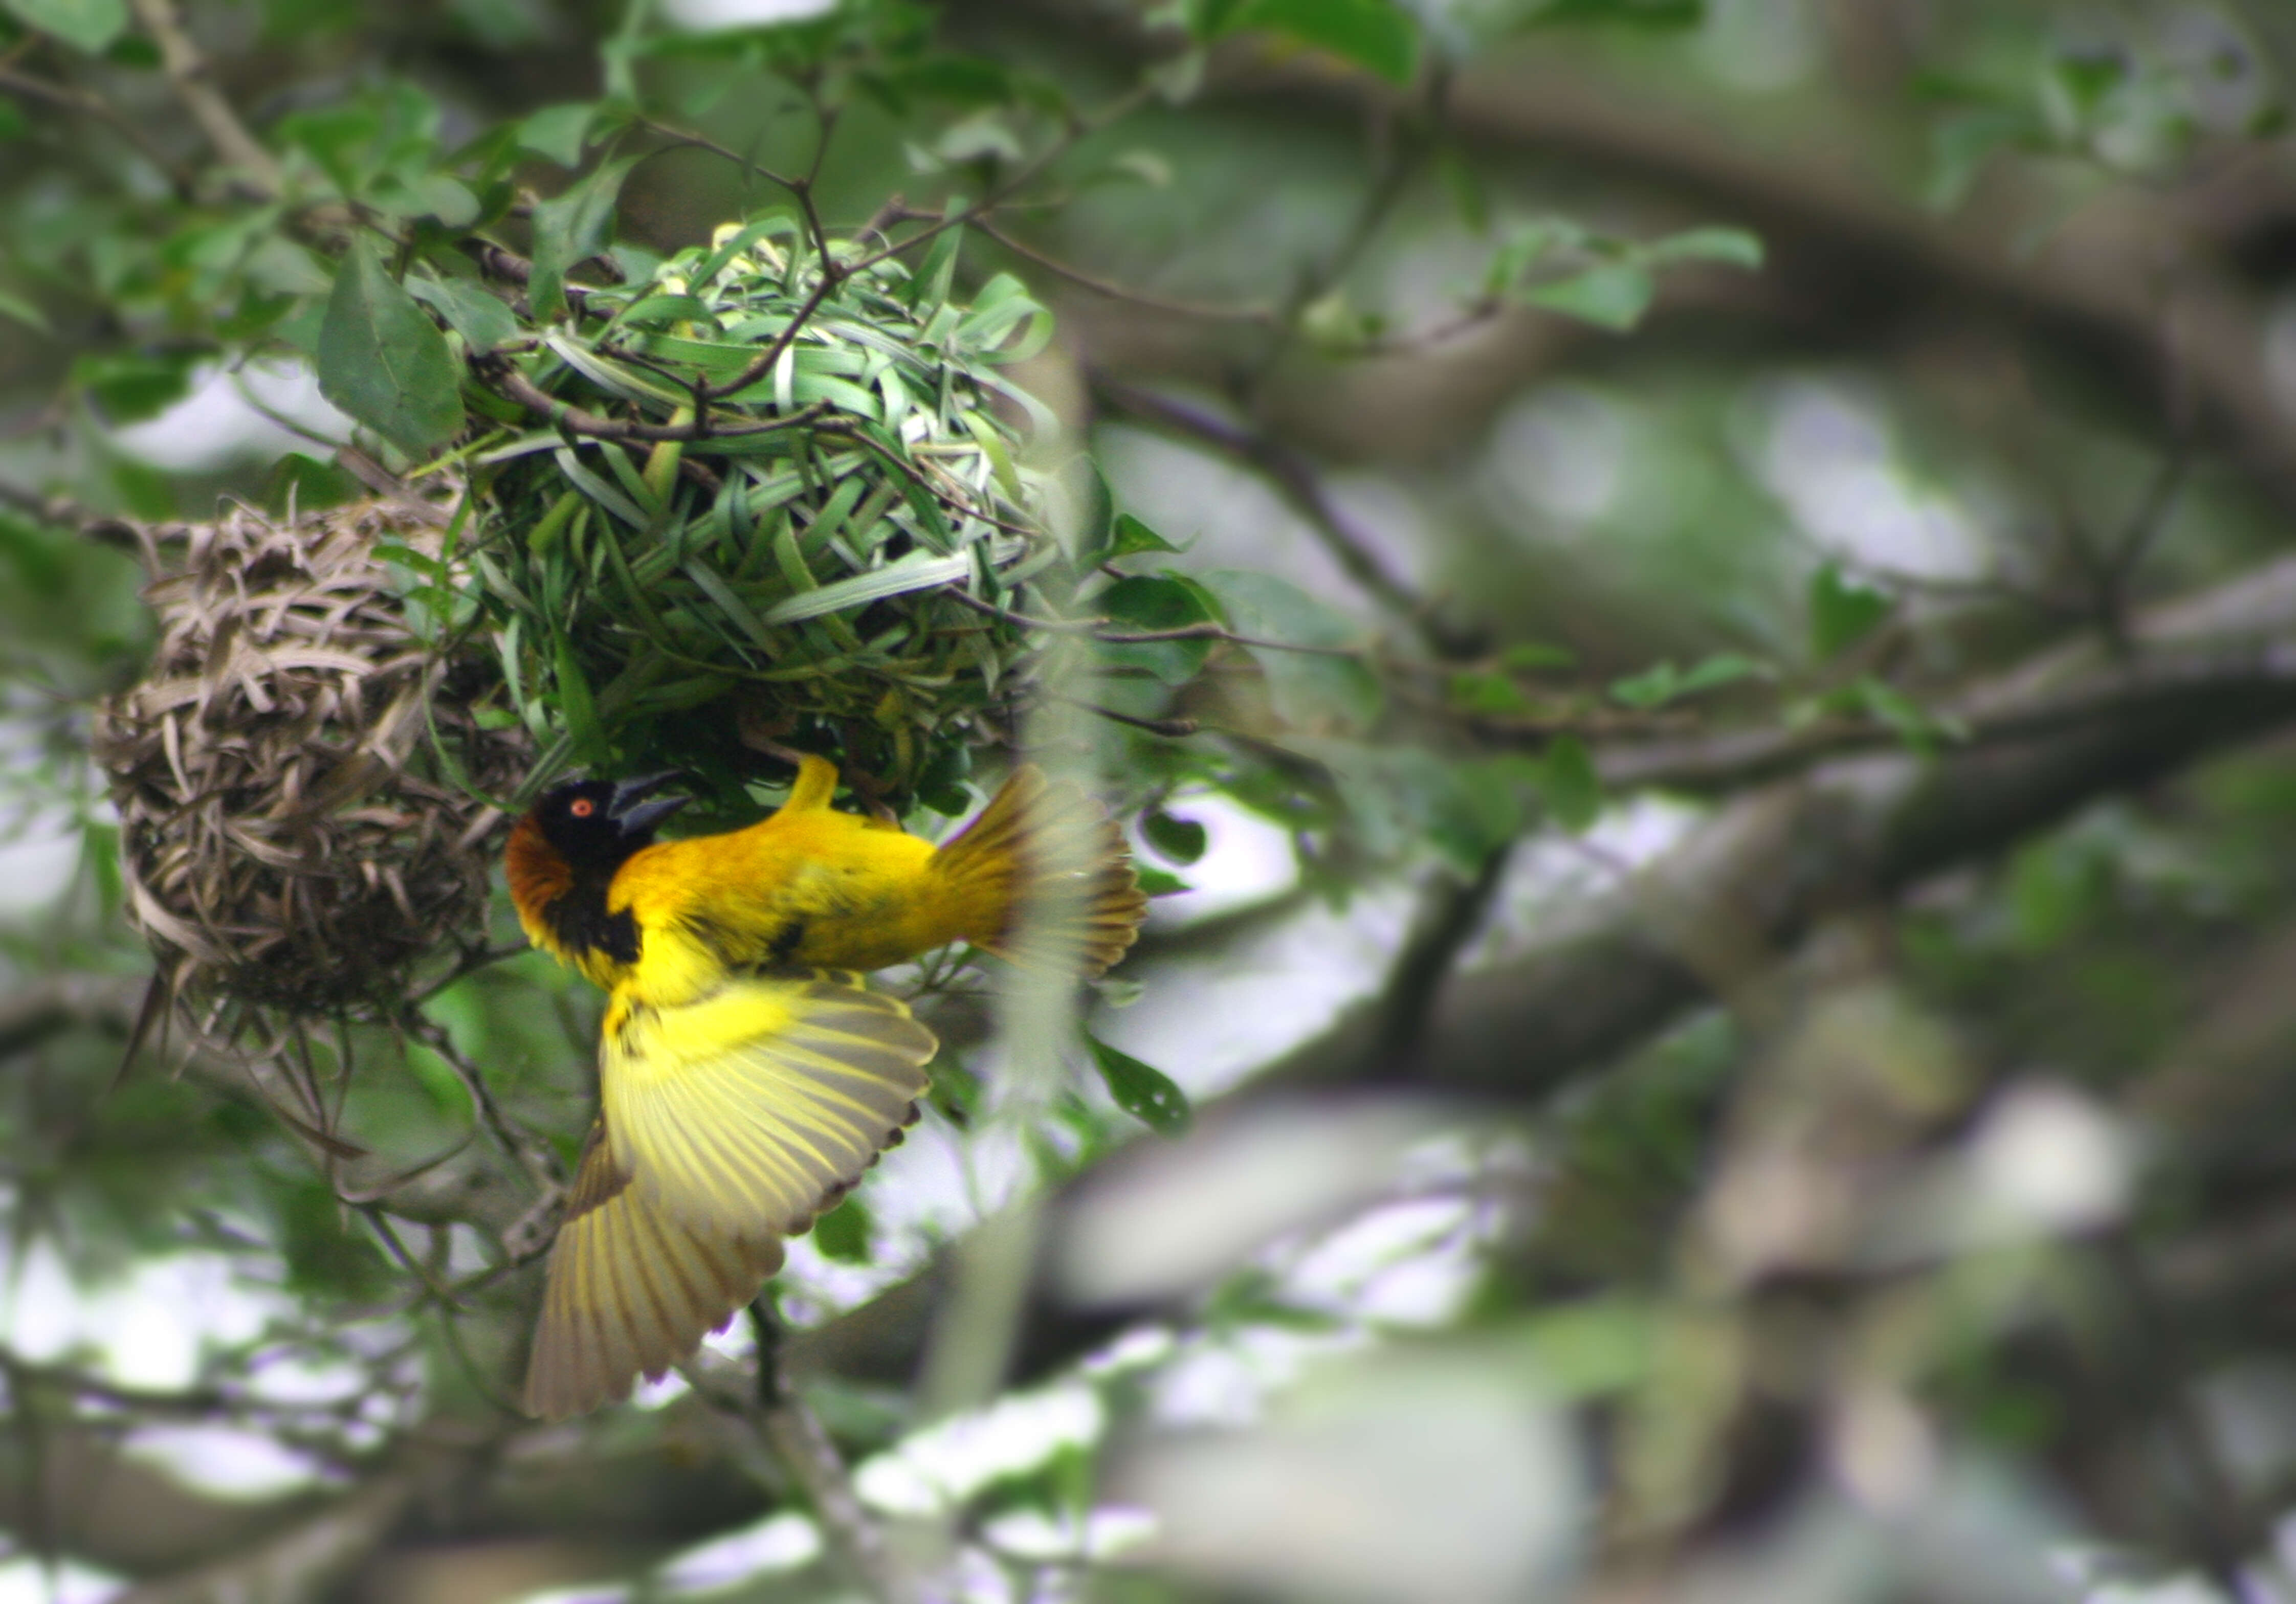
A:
(1766, 868)
(192, 76)
(1295, 480)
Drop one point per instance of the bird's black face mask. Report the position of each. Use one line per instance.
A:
(598, 825)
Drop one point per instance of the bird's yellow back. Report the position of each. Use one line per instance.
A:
(806, 886)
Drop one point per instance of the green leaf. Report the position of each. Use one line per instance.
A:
(1464, 185)
(579, 708)
(1528, 657)
(85, 25)
(1567, 780)
(1490, 695)
(130, 387)
(1145, 1092)
(1128, 537)
(1730, 246)
(1962, 146)
(842, 1234)
(1177, 840)
(1311, 690)
(16, 306)
(1917, 726)
(1610, 295)
(570, 229)
(1373, 33)
(1841, 612)
(308, 483)
(383, 360)
(481, 320)
(1160, 882)
(558, 133)
(1403, 799)
(1145, 603)
(1654, 15)
(914, 572)
(1663, 682)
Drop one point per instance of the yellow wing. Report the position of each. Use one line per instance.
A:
(744, 1112)
(629, 1291)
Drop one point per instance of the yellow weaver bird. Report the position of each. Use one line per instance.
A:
(746, 1076)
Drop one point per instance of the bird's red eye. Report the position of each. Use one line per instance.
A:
(581, 808)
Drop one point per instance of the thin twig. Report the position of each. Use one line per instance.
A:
(1296, 481)
(798, 1441)
(535, 1159)
(1171, 729)
(192, 74)
(834, 272)
(1114, 291)
(88, 104)
(1097, 629)
(506, 380)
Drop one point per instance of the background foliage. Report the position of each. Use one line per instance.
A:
(1687, 598)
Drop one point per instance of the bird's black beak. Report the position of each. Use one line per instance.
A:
(628, 808)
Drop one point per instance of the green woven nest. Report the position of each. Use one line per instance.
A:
(793, 579)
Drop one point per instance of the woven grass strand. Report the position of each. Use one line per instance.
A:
(288, 837)
(663, 605)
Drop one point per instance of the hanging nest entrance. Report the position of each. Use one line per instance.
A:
(301, 776)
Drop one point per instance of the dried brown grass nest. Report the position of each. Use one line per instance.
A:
(292, 833)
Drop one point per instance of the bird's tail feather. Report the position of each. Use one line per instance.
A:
(1048, 877)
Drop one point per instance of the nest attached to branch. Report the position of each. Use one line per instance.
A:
(835, 566)
(293, 835)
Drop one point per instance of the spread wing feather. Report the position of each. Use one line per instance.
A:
(726, 1123)
(629, 1292)
(745, 1112)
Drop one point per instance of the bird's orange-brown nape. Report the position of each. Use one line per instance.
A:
(537, 872)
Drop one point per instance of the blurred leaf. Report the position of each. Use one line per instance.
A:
(1464, 185)
(1405, 799)
(559, 133)
(1568, 784)
(843, 1234)
(1144, 1092)
(570, 228)
(383, 360)
(306, 483)
(469, 310)
(1128, 537)
(2056, 886)
(1657, 14)
(15, 306)
(1377, 35)
(1613, 295)
(1730, 247)
(1317, 689)
(1490, 695)
(1663, 682)
(1160, 882)
(1149, 602)
(324, 1258)
(1917, 726)
(1841, 612)
(1177, 840)
(1530, 656)
(1962, 144)
(129, 388)
(85, 25)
